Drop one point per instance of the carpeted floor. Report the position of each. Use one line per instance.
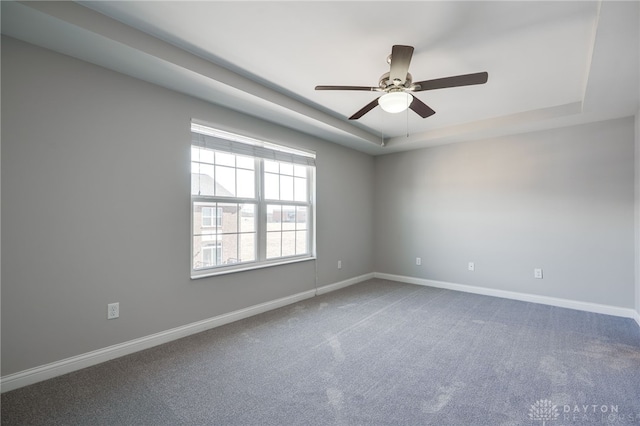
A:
(377, 353)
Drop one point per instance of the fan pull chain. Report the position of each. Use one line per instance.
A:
(407, 119)
(381, 127)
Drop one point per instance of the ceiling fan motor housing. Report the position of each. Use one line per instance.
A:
(387, 85)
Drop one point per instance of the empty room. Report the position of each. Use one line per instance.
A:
(320, 213)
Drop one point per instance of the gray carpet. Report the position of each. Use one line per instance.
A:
(377, 353)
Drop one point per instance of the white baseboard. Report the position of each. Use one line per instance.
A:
(545, 300)
(58, 368)
(345, 283)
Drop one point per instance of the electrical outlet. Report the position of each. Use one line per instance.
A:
(113, 310)
(471, 266)
(418, 261)
(339, 264)
(537, 273)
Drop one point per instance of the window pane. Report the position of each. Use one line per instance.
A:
(207, 217)
(206, 252)
(247, 247)
(300, 189)
(286, 169)
(247, 218)
(229, 249)
(288, 243)
(229, 222)
(273, 244)
(209, 238)
(271, 166)
(286, 188)
(245, 162)
(202, 179)
(301, 242)
(197, 252)
(300, 171)
(224, 159)
(274, 218)
(301, 217)
(211, 254)
(246, 183)
(209, 257)
(288, 216)
(225, 181)
(271, 186)
(195, 151)
(204, 218)
(201, 154)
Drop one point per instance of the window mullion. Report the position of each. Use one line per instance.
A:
(311, 227)
(262, 212)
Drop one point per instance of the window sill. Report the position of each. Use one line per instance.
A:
(248, 267)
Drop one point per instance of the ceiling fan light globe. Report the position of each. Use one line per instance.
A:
(395, 102)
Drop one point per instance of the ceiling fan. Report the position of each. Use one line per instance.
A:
(397, 86)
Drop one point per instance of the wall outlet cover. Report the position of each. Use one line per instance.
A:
(113, 310)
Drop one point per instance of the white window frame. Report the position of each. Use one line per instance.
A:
(208, 137)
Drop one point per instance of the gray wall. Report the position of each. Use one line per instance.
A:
(95, 209)
(561, 200)
(638, 206)
(637, 168)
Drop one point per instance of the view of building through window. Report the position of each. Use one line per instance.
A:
(233, 234)
(248, 209)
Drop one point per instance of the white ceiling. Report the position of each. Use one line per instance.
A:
(550, 64)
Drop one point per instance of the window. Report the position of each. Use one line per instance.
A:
(251, 203)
